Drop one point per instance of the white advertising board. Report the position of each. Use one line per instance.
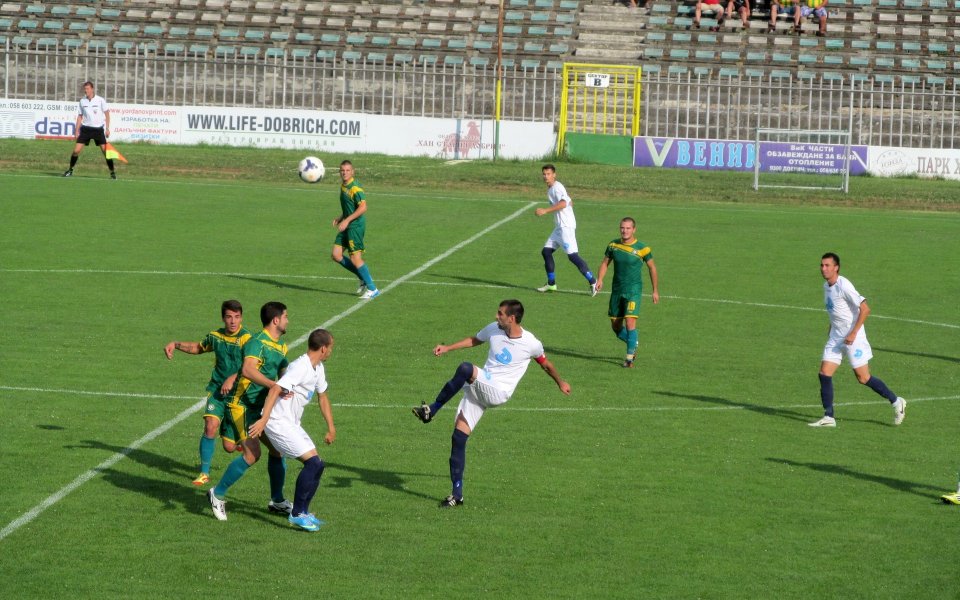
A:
(286, 128)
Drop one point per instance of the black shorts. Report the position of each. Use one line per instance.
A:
(738, 4)
(96, 134)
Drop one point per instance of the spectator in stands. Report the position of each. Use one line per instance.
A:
(742, 8)
(711, 6)
(800, 9)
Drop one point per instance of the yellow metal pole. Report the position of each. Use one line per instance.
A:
(498, 98)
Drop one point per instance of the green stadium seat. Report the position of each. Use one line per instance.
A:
(153, 31)
(253, 35)
(174, 48)
(482, 45)
(677, 70)
(86, 11)
(563, 31)
(279, 36)
(479, 61)
(94, 44)
(533, 47)
(705, 55)
(102, 28)
(451, 60)
(326, 54)
(203, 32)
(35, 9)
(274, 53)
(706, 39)
(380, 40)
(330, 38)
(457, 44)
(122, 45)
(178, 32)
(226, 51)
(60, 11)
(199, 49)
(301, 53)
(129, 29)
(402, 59)
(543, 3)
(537, 30)
(428, 59)
(887, 3)
(833, 60)
(27, 24)
(486, 29)
(559, 48)
(406, 42)
(831, 76)
(683, 22)
(679, 54)
(351, 55)
(431, 43)
(377, 57)
(529, 63)
(518, 3)
(356, 39)
(72, 43)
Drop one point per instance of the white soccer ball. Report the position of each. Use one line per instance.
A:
(311, 169)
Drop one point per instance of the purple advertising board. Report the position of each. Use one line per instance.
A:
(741, 155)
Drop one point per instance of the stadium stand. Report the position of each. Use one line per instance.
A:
(865, 38)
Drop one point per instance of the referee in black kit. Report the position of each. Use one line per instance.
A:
(93, 123)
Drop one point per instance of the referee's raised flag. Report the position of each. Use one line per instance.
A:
(112, 154)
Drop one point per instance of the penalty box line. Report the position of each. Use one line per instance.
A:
(34, 512)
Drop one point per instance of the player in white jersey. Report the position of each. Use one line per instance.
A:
(848, 310)
(280, 420)
(511, 349)
(93, 124)
(564, 234)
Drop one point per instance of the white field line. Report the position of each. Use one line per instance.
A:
(545, 409)
(407, 279)
(87, 476)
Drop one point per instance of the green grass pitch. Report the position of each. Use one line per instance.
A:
(692, 476)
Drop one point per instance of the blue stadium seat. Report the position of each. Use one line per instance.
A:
(174, 48)
(402, 59)
(129, 29)
(487, 29)
(203, 32)
(679, 54)
(377, 57)
(8, 23)
(301, 53)
(529, 63)
(533, 47)
(351, 55)
(706, 55)
(72, 43)
(563, 31)
(452, 60)
(229, 34)
(47, 43)
(677, 70)
(937, 48)
(380, 40)
(35, 9)
(102, 28)
(274, 53)
(53, 25)
(225, 51)
(153, 31)
(559, 48)
(457, 44)
(200, 49)
(178, 32)
(537, 30)
(250, 51)
(326, 54)
(330, 38)
(428, 59)
(860, 61)
(27, 24)
(253, 35)
(482, 45)
(123, 45)
(781, 58)
(431, 43)
(86, 11)
(279, 36)
(756, 57)
(60, 11)
(357, 39)
(479, 61)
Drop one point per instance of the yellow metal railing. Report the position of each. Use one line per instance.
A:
(602, 99)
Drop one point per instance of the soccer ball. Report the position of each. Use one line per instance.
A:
(311, 169)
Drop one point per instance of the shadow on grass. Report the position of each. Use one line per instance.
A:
(952, 359)
(390, 480)
(187, 498)
(900, 485)
(605, 358)
(784, 413)
(51, 427)
(143, 457)
(292, 286)
(462, 279)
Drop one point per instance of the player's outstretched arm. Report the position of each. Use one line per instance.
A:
(601, 273)
(272, 396)
(469, 342)
(188, 347)
(654, 281)
(547, 366)
(327, 413)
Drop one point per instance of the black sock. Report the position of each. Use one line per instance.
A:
(462, 375)
(458, 461)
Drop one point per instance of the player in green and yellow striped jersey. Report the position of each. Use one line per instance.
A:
(226, 344)
(264, 360)
(351, 226)
(628, 256)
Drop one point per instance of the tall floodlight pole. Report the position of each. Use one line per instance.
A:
(498, 97)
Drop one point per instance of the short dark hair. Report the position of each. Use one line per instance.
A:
(549, 167)
(90, 83)
(270, 311)
(233, 305)
(346, 162)
(513, 308)
(836, 259)
(631, 219)
(319, 338)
